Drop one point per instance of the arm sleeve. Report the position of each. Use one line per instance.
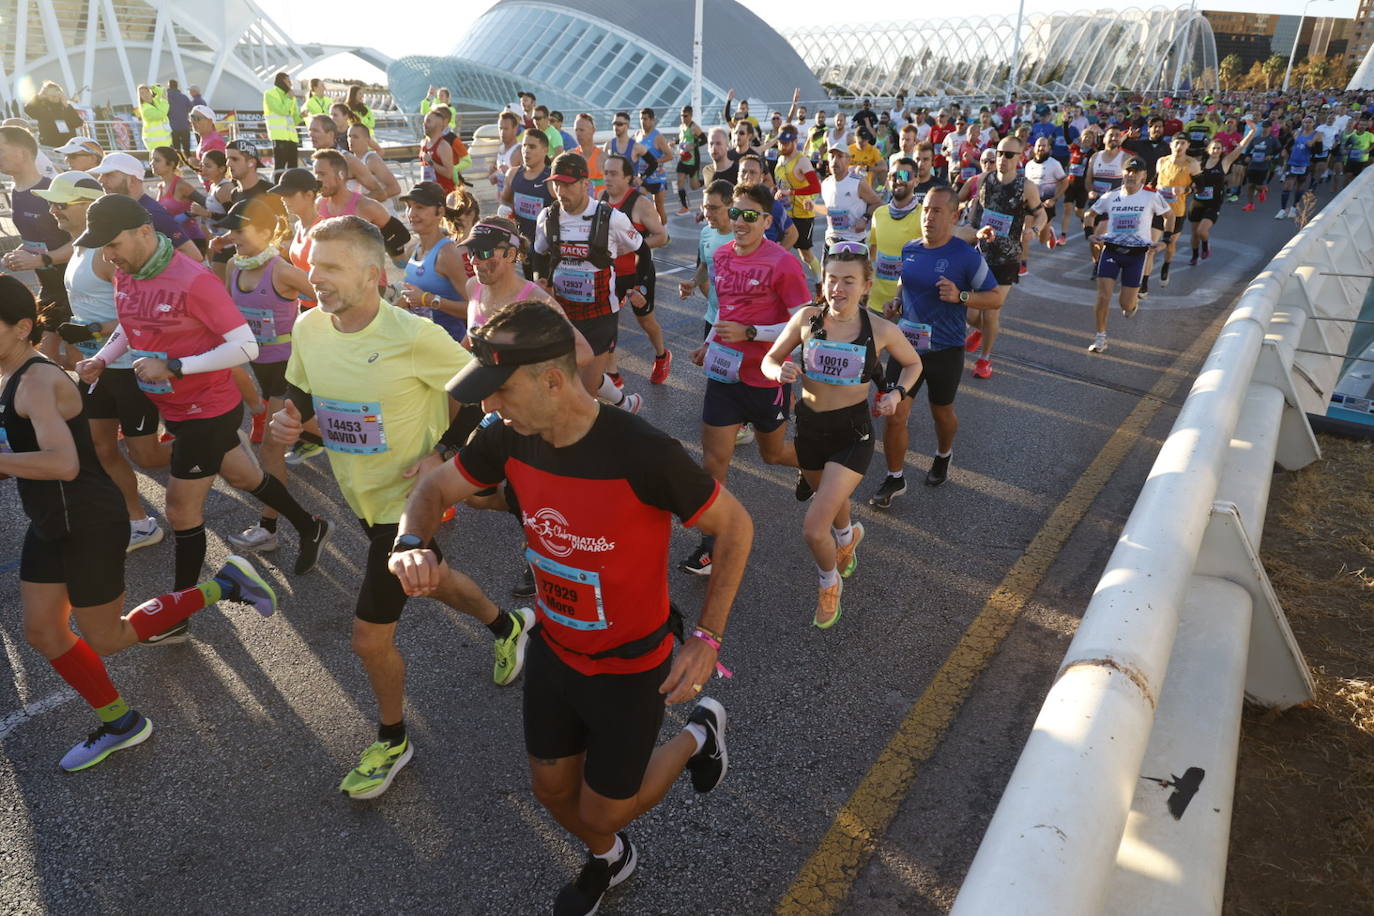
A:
(670, 480)
(115, 347)
(812, 186)
(303, 401)
(395, 235)
(541, 235)
(238, 348)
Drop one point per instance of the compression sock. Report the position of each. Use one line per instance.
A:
(268, 524)
(188, 551)
(392, 734)
(608, 391)
(682, 196)
(843, 535)
(1194, 252)
(83, 669)
(273, 493)
(166, 611)
(501, 627)
(1283, 199)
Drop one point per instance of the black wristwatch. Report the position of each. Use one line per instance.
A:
(47, 261)
(174, 367)
(445, 451)
(751, 332)
(408, 542)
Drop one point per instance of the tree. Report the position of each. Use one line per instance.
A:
(1255, 79)
(1319, 69)
(1231, 68)
(1273, 68)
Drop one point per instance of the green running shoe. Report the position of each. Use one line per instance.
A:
(378, 766)
(510, 652)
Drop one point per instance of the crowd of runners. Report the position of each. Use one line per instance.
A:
(223, 323)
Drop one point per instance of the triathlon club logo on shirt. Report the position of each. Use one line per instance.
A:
(551, 528)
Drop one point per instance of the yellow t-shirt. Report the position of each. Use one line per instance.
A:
(865, 158)
(885, 240)
(785, 174)
(379, 399)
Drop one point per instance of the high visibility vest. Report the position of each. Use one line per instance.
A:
(157, 130)
(318, 106)
(281, 115)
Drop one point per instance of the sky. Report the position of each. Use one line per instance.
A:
(357, 22)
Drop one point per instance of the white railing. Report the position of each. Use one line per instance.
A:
(1121, 800)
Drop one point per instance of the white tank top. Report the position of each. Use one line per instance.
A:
(1114, 168)
(843, 208)
(92, 300)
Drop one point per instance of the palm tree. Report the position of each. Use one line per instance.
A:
(1319, 69)
(1231, 67)
(1273, 68)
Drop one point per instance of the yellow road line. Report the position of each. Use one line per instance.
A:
(824, 882)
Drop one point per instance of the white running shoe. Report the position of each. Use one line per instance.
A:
(144, 533)
(1099, 344)
(744, 435)
(632, 403)
(256, 538)
(1282, 214)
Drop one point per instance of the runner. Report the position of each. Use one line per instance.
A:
(759, 286)
(117, 403)
(178, 194)
(894, 225)
(1174, 179)
(849, 200)
(635, 277)
(721, 167)
(203, 123)
(942, 278)
(1322, 164)
(507, 152)
(586, 147)
(385, 187)
(73, 555)
(121, 173)
(1130, 232)
(337, 375)
(783, 230)
(582, 241)
(435, 276)
(527, 194)
(331, 171)
(622, 144)
(1105, 171)
(82, 154)
(842, 343)
(436, 152)
(660, 149)
(554, 135)
(44, 248)
(798, 185)
(182, 363)
(716, 231)
(1263, 155)
(596, 489)
(1356, 145)
(1076, 194)
(1050, 179)
(1209, 189)
(866, 159)
(690, 139)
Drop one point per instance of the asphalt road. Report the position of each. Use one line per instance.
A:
(232, 805)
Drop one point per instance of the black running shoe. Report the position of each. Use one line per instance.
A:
(583, 895)
(525, 587)
(699, 563)
(310, 546)
(171, 637)
(710, 764)
(803, 491)
(890, 489)
(1164, 274)
(1145, 287)
(939, 471)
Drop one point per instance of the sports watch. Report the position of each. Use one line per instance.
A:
(407, 542)
(174, 367)
(963, 296)
(751, 332)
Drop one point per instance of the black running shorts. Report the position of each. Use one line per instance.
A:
(733, 403)
(613, 718)
(843, 436)
(118, 397)
(381, 597)
(805, 225)
(601, 332)
(89, 561)
(202, 443)
(941, 371)
(271, 378)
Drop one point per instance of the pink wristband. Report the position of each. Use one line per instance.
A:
(714, 644)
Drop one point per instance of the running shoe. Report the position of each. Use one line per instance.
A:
(1234, 198)
(1063, 239)
(939, 471)
(1282, 214)
(1206, 250)
(1131, 312)
(510, 651)
(709, 765)
(1248, 207)
(376, 769)
(631, 402)
(616, 379)
(982, 368)
(249, 587)
(144, 534)
(744, 435)
(846, 557)
(699, 563)
(683, 211)
(104, 741)
(1192, 262)
(888, 490)
(1263, 194)
(302, 452)
(449, 514)
(973, 341)
(525, 587)
(828, 607)
(1023, 269)
(257, 539)
(1164, 274)
(583, 896)
(662, 366)
(1144, 289)
(1052, 243)
(259, 427)
(1099, 344)
(173, 636)
(310, 546)
(803, 490)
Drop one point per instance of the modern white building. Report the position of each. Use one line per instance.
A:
(99, 51)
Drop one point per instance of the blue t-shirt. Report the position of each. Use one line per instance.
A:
(1301, 154)
(164, 222)
(34, 221)
(781, 223)
(922, 269)
(706, 252)
(1054, 132)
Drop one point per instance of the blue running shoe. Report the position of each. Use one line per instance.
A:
(104, 741)
(248, 587)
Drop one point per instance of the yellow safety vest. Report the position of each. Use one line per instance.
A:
(157, 130)
(281, 114)
(318, 106)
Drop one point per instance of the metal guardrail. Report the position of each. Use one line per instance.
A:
(1121, 799)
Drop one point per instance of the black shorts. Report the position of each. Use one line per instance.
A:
(118, 397)
(733, 403)
(1124, 261)
(202, 443)
(843, 436)
(804, 224)
(1006, 273)
(1200, 212)
(601, 332)
(652, 187)
(648, 279)
(691, 170)
(940, 373)
(1076, 194)
(1354, 168)
(1049, 214)
(89, 561)
(613, 718)
(1257, 176)
(381, 597)
(271, 378)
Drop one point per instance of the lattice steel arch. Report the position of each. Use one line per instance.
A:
(1084, 52)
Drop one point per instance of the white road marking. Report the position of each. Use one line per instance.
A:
(17, 718)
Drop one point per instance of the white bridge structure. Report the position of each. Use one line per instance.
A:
(99, 51)
(1085, 52)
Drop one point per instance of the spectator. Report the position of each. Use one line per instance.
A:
(179, 117)
(360, 109)
(197, 98)
(152, 110)
(58, 120)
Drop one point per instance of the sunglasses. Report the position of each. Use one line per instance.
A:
(857, 249)
(749, 216)
(54, 205)
(486, 254)
(902, 175)
(1008, 153)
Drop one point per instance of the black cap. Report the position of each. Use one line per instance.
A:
(252, 210)
(496, 362)
(1135, 165)
(109, 216)
(294, 180)
(427, 194)
(485, 236)
(247, 147)
(568, 167)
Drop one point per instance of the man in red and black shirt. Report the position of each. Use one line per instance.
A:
(597, 488)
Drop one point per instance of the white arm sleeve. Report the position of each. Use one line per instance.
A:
(769, 331)
(239, 347)
(115, 347)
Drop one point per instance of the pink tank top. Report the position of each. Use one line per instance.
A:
(477, 312)
(180, 209)
(269, 316)
(350, 208)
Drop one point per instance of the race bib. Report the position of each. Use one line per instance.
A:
(839, 220)
(426, 172)
(1204, 193)
(1077, 169)
(568, 595)
(889, 266)
(1356, 155)
(967, 172)
(5, 442)
(1125, 224)
(1258, 155)
(1102, 185)
(917, 333)
(1169, 194)
(352, 427)
(574, 284)
(527, 206)
(723, 363)
(1000, 222)
(1297, 170)
(263, 324)
(1047, 189)
(163, 387)
(834, 362)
